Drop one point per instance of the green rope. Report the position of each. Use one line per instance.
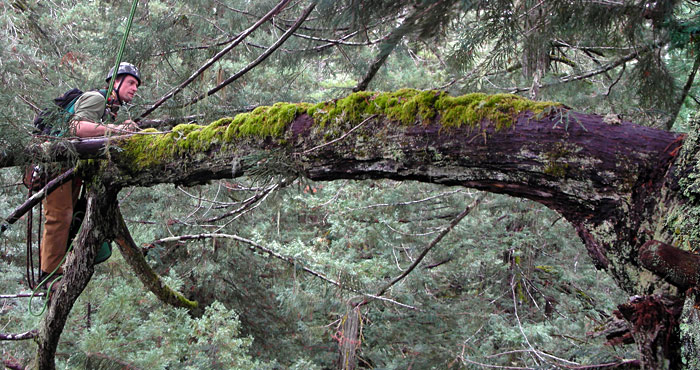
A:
(120, 54)
(40, 286)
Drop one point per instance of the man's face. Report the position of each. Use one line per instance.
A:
(127, 87)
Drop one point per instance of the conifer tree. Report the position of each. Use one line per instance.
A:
(332, 248)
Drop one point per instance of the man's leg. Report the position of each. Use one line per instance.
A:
(58, 211)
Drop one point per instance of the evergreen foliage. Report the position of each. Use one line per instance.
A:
(511, 285)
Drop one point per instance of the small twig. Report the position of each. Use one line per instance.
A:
(430, 246)
(257, 61)
(22, 336)
(495, 366)
(291, 260)
(213, 59)
(605, 68)
(407, 203)
(246, 203)
(21, 295)
(340, 138)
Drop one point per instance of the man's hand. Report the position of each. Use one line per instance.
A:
(130, 126)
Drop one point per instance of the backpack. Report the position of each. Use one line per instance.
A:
(52, 121)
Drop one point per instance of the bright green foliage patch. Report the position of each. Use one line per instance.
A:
(406, 106)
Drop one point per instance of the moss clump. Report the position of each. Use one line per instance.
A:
(264, 121)
(500, 109)
(554, 166)
(408, 106)
(682, 222)
(147, 150)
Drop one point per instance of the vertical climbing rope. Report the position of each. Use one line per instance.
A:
(120, 54)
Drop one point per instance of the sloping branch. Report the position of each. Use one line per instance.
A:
(216, 57)
(21, 336)
(134, 257)
(389, 44)
(602, 69)
(259, 60)
(430, 246)
(290, 260)
(684, 93)
(36, 198)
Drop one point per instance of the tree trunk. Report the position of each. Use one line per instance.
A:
(78, 270)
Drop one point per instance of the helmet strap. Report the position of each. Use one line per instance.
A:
(116, 91)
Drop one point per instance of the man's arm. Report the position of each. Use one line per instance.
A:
(88, 112)
(91, 129)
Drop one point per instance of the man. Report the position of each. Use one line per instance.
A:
(92, 118)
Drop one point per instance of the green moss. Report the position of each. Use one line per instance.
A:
(500, 109)
(405, 106)
(264, 121)
(147, 150)
(546, 268)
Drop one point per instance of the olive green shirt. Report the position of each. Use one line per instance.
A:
(90, 107)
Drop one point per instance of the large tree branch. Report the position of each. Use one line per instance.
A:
(607, 180)
(597, 175)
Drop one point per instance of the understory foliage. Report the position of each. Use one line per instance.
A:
(510, 285)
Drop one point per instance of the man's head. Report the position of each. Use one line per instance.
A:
(127, 81)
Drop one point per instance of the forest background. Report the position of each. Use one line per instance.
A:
(510, 285)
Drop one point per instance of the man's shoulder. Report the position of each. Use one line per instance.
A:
(90, 106)
(92, 95)
(90, 99)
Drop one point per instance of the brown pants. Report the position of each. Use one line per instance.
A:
(58, 211)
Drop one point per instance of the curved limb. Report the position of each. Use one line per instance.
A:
(135, 258)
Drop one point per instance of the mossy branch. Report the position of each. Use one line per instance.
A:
(133, 256)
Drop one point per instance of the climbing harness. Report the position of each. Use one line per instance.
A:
(52, 278)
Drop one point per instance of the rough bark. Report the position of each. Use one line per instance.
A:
(680, 268)
(349, 338)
